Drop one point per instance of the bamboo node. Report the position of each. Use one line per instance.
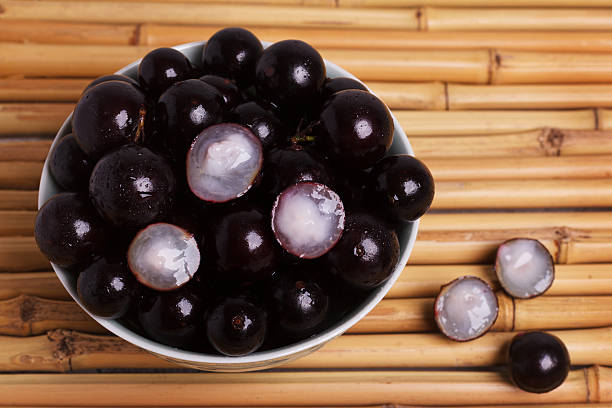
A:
(421, 17)
(563, 243)
(551, 140)
(27, 308)
(591, 375)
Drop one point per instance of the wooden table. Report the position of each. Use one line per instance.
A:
(510, 108)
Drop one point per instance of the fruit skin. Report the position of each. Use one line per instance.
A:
(243, 246)
(132, 187)
(356, 127)
(232, 53)
(69, 164)
(107, 116)
(402, 187)
(114, 77)
(184, 110)
(68, 230)
(290, 74)
(538, 362)
(106, 288)
(333, 85)
(366, 254)
(291, 165)
(262, 122)
(161, 68)
(228, 90)
(172, 318)
(236, 326)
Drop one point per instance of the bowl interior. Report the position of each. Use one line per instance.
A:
(257, 360)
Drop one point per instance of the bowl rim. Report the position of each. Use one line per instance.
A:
(280, 354)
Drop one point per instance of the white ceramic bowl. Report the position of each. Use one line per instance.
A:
(257, 360)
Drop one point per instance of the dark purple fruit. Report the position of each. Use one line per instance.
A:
(109, 115)
(232, 53)
(172, 318)
(161, 68)
(228, 90)
(538, 361)
(132, 187)
(68, 231)
(262, 122)
(184, 110)
(366, 254)
(290, 74)
(236, 327)
(106, 288)
(224, 162)
(114, 77)
(301, 305)
(243, 246)
(308, 219)
(69, 164)
(284, 167)
(333, 85)
(402, 187)
(163, 256)
(356, 127)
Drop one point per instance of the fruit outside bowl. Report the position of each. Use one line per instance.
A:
(262, 359)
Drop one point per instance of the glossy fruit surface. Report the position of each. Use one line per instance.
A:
(465, 308)
(173, 318)
(403, 186)
(232, 53)
(68, 230)
(301, 304)
(106, 288)
(184, 110)
(290, 73)
(308, 219)
(107, 116)
(243, 245)
(333, 85)
(69, 164)
(366, 254)
(236, 327)
(284, 167)
(356, 127)
(538, 361)
(224, 162)
(262, 122)
(132, 187)
(114, 77)
(163, 256)
(161, 68)
(228, 90)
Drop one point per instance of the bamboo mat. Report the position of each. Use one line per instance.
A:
(509, 102)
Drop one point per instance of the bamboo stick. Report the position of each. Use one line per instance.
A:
(540, 142)
(67, 33)
(605, 118)
(29, 315)
(520, 168)
(464, 247)
(210, 14)
(24, 150)
(556, 96)
(41, 90)
(38, 284)
(287, 388)
(433, 123)
(21, 254)
(561, 312)
(421, 96)
(517, 19)
(32, 119)
(521, 194)
(570, 280)
(67, 350)
(515, 67)
(20, 175)
(18, 200)
(17, 223)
